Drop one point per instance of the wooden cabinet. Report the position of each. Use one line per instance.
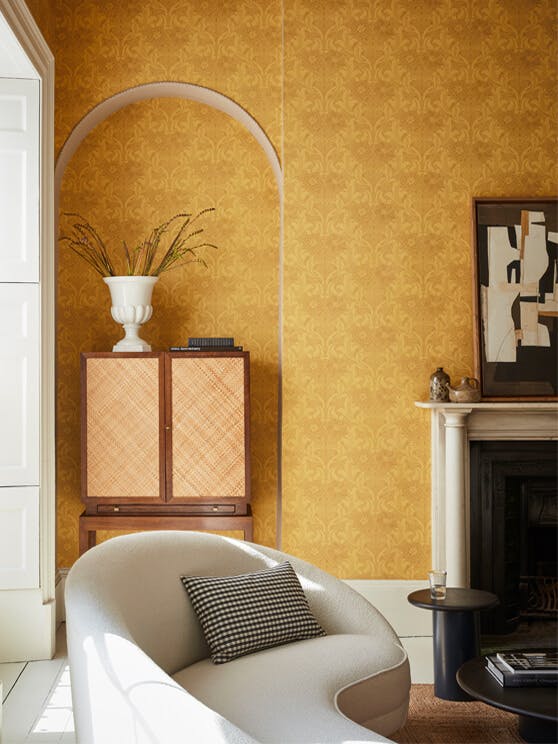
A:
(165, 442)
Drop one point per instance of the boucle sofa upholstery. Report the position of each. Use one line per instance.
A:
(139, 663)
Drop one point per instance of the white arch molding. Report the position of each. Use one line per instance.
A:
(216, 100)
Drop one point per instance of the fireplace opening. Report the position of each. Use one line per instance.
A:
(514, 540)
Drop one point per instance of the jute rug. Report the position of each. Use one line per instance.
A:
(435, 721)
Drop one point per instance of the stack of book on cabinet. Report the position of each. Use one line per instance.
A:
(529, 668)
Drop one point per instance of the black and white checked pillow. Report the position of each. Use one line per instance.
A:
(249, 612)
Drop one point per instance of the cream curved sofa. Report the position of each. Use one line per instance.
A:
(139, 663)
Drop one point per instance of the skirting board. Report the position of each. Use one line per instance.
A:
(60, 585)
(412, 625)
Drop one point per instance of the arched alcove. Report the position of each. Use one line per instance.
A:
(133, 161)
(166, 89)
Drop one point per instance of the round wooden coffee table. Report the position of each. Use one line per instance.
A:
(537, 707)
(455, 621)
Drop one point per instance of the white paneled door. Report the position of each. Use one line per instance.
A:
(19, 385)
(19, 184)
(20, 340)
(27, 403)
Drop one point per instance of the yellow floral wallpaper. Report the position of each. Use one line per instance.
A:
(105, 46)
(388, 117)
(396, 114)
(43, 12)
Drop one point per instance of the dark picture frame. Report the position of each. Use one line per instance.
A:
(515, 270)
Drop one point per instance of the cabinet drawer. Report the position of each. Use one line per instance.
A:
(166, 509)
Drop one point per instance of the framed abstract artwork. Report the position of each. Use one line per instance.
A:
(516, 297)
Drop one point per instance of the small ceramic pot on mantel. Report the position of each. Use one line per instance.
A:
(131, 306)
(439, 385)
(468, 391)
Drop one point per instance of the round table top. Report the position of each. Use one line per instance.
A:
(539, 702)
(461, 600)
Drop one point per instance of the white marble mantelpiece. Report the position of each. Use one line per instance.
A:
(453, 426)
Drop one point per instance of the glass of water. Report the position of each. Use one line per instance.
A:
(437, 579)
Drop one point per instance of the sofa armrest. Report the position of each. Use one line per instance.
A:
(120, 694)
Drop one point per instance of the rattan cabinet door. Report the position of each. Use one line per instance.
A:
(122, 428)
(208, 409)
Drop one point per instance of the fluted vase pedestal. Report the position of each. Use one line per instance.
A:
(131, 306)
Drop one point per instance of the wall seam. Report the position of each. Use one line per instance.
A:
(280, 309)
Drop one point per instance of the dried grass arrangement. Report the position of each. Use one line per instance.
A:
(150, 257)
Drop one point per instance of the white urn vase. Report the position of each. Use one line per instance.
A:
(131, 306)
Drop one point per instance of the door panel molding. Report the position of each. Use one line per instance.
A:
(19, 538)
(19, 164)
(19, 385)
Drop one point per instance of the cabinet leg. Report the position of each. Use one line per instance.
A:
(249, 532)
(87, 537)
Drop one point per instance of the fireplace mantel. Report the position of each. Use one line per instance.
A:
(453, 426)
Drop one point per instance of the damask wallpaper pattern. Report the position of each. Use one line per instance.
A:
(43, 12)
(388, 118)
(396, 114)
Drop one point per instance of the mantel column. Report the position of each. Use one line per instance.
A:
(456, 522)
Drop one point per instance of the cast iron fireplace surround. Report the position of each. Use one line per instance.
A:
(514, 529)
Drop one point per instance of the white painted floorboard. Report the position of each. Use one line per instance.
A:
(37, 699)
(9, 674)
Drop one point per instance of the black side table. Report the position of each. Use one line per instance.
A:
(455, 623)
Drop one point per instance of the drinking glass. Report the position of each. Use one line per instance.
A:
(437, 579)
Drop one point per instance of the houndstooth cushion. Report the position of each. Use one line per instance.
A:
(250, 612)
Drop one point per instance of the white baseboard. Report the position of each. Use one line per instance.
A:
(60, 584)
(420, 653)
(412, 625)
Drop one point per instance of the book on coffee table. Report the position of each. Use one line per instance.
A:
(527, 678)
(544, 661)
